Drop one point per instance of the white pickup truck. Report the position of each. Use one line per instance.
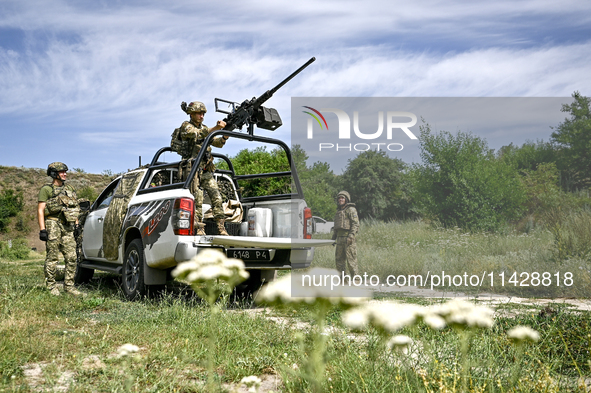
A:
(141, 228)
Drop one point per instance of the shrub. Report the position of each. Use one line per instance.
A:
(541, 188)
(21, 224)
(87, 192)
(461, 183)
(14, 250)
(11, 203)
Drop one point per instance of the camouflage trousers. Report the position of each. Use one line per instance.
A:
(346, 256)
(209, 184)
(60, 238)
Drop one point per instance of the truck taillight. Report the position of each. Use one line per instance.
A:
(307, 223)
(182, 216)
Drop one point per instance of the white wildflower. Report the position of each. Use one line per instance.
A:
(211, 265)
(386, 316)
(252, 382)
(209, 273)
(293, 289)
(126, 350)
(356, 318)
(399, 341)
(460, 313)
(434, 321)
(523, 333)
(185, 268)
(278, 291)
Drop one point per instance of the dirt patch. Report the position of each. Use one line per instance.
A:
(269, 383)
(36, 380)
(486, 298)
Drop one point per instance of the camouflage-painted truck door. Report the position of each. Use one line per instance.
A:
(116, 213)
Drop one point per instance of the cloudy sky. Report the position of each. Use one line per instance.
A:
(98, 84)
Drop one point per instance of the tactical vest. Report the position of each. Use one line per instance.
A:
(62, 200)
(341, 220)
(183, 148)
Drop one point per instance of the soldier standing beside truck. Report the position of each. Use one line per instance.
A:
(57, 214)
(346, 227)
(187, 140)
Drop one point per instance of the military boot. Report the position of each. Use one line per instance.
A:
(54, 291)
(72, 290)
(221, 227)
(200, 227)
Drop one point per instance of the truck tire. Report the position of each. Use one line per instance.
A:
(83, 275)
(132, 277)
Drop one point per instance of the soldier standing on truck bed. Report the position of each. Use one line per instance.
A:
(187, 141)
(57, 214)
(346, 227)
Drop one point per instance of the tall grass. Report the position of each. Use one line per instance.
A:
(413, 248)
(79, 337)
(572, 233)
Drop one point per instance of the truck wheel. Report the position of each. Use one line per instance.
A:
(132, 279)
(83, 275)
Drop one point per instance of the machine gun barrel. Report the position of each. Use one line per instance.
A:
(246, 112)
(269, 93)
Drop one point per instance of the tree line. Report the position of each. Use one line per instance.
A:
(460, 181)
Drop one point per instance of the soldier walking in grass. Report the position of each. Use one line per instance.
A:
(346, 227)
(57, 214)
(188, 144)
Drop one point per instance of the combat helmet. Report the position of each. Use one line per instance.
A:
(55, 168)
(346, 195)
(195, 106)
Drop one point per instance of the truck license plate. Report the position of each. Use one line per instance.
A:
(249, 254)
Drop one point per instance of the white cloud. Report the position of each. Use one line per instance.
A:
(119, 70)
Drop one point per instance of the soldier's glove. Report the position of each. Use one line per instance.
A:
(350, 240)
(77, 230)
(43, 235)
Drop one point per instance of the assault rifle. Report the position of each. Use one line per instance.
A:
(252, 112)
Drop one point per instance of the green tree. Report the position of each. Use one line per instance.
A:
(541, 188)
(319, 183)
(461, 183)
(299, 157)
(573, 137)
(375, 182)
(260, 161)
(320, 188)
(530, 155)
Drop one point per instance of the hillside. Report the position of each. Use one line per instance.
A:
(29, 181)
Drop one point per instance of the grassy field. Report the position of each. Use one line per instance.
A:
(415, 248)
(71, 343)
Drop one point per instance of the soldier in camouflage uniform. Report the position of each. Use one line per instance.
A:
(346, 227)
(194, 131)
(57, 215)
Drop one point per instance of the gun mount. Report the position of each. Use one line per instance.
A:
(252, 112)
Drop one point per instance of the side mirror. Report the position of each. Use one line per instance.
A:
(84, 206)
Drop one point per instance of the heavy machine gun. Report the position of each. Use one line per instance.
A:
(252, 112)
